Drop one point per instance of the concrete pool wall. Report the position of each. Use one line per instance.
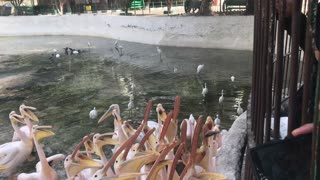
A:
(223, 32)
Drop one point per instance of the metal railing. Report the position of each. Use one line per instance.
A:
(283, 70)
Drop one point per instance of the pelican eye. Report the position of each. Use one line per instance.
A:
(116, 161)
(95, 175)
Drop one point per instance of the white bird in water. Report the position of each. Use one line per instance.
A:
(118, 47)
(204, 90)
(175, 69)
(217, 120)
(130, 105)
(75, 51)
(232, 78)
(89, 44)
(57, 55)
(221, 98)
(159, 51)
(54, 50)
(199, 68)
(93, 113)
(239, 109)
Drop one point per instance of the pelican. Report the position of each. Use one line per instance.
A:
(204, 90)
(127, 144)
(232, 78)
(76, 162)
(159, 51)
(239, 109)
(13, 154)
(221, 98)
(26, 112)
(44, 170)
(199, 68)
(93, 113)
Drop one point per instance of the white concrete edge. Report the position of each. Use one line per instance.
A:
(223, 32)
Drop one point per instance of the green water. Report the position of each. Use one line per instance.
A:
(64, 90)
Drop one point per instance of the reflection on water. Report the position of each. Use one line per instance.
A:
(64, 90)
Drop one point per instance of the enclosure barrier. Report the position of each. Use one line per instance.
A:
(283, 71)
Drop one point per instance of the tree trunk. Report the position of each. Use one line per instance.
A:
(169, 5)
(205, 9)
(16, 4)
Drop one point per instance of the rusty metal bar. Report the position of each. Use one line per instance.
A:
(271, 44)
(258, 75)
(294, 66)
(279, 71)
(264, 53)
(258, 106)
(307, 70)
(286, 64)
(254, 70)
(315, 163)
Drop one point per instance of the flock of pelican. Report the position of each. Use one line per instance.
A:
(152, 151)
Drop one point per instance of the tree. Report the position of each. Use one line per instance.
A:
(205, 7)
(59, 4)
(169, 5)
(125, 5)
(16, 4)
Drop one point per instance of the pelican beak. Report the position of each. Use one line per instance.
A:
(74, 165)
(214, 176)
(2, 168)
(211, 133)
(26, 111)
(42, 132)
(88, 145)
(16, 117)
(86, 162)
(209, 122)
(101, 139)
(161, 112)
(106, 115)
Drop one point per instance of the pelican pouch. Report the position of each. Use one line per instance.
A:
(287, 159)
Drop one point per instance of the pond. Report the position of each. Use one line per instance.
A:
(64, 90)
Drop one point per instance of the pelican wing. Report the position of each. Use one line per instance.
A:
(7, 153)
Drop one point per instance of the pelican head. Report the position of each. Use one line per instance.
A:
(14, 117)
(76, 162)
(113, 110)
(26, 111)
(41, 132)
(99, 140)
(161, 112)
